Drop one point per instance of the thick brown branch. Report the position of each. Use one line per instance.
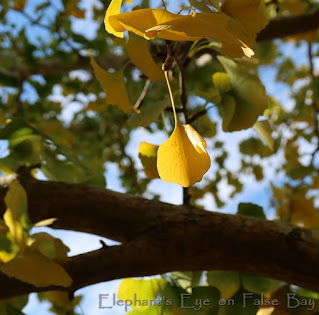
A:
(166, 238)
(290, 25)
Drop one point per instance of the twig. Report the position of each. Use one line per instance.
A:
(197, 115)
(141, 98)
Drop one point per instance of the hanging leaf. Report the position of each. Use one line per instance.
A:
(147, 153)
(200, 5)
(183, 158)
(114, 86)
(264, 129)
(138, 51)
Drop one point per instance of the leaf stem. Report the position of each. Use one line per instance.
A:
(171, 96)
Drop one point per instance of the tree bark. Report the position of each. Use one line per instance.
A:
(158, 237)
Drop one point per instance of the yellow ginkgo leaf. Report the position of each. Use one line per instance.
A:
(113, 9)
(147, 153)
(138, 51)
(251, 14)
(33, 267)
(183, 158)
(114, 86)
(164, 24)
(16, 215)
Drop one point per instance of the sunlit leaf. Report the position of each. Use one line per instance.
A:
(183, 158)
(222, 82)
(33, 267)
(16, 215)
(45, 222)
(49, 246)
(264, 129)
(113, 9)
(251, 14)
(142, 289)
(114, 86)
(147, 153)
(138, 51)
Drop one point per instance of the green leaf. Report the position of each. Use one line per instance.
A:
(227, 282)
(264, 129)
(148, 114)
(227, 109)
(250, 209)
(249, 94)
(222, 82)
(258, 284)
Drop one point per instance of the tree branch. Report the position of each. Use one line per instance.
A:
(166, 238)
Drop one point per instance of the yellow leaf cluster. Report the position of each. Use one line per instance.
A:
(32, 259)
(235, 26)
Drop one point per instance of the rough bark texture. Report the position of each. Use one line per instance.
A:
(158, 237)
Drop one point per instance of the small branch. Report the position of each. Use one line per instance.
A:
(197, 115)
(141, 98)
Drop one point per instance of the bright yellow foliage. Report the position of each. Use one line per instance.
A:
(138, 51)
(235, 28)
(33, 267)
(113, 9)
(183, 158)
(147, 153)
(114, 86)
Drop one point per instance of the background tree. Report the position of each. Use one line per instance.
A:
(62, 134)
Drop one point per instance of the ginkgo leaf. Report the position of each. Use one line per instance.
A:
(251, 14)
(49, 246)
(293, 6)
(183, 158)
(200, 5)
(33, 267)
(263, 127)
(142, 289)
(16, 215)
(214, 3)
(138, 51)
(148, 114)
(45, 222)
(249, 95)
(113, 9)
(227, 282)
(147, 153)
(222, 81)
(114, 86)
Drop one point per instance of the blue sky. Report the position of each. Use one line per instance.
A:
(172, 193)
